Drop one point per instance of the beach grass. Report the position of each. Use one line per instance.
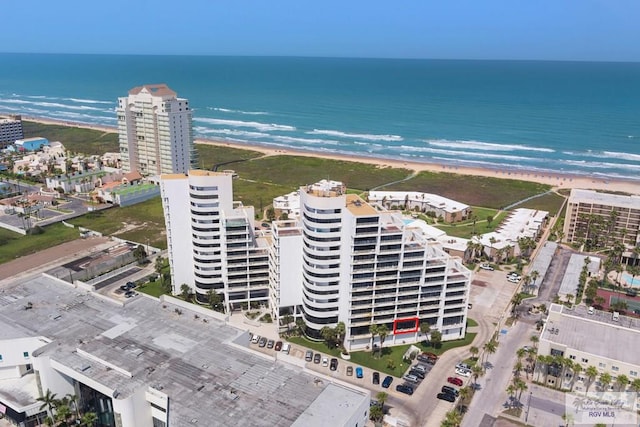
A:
(74, 139)
(292, 172)
(551, 202)
(210, 155)
(490, 192)
(14, 245)
(257, 194)
(466, 229)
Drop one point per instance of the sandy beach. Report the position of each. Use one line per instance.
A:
(557, 180)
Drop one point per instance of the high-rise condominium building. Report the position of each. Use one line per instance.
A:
(362, 266)
(211, 240)
(341, 261)
(10, 129)
(155, 133)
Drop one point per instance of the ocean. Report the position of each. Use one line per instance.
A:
(569, 117)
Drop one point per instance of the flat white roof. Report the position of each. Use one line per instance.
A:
(435, 200)
(609, 199)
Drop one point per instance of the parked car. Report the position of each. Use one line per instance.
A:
(513, 279)
(463, 366)
(387, 381)
(359, 373)
(455, 381)
(486, 266)
(255, 339)
(334, 364)
(270, 343)
(278, 346)
(350, 371)
(418, 374)
(411, 378)
(130, 294)
(262, 342)
(429, 358)
(286, 347)
(463, 372)
(316, 358)
(404, 388)
(450, 390)
(308, 356)
(325, 361)
(376, 378)
(446, 396)
(420, 368)
(128, 286)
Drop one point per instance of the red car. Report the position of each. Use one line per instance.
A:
(455, 381)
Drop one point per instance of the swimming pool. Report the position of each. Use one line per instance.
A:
(630, 280)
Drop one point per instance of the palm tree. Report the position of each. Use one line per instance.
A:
(534, 340)
(541, 366)
(635, 385)
(474, 352)
(591, 372)
(383, 331)
(622, 381)
(63, 414)
(576, 368)
(490, 348)
(48, 401)
(520, 353)
(605, 380)
(477, 372)
(88, 419)
(517, 368)
(520, 386)
(465, 393)
(340, 332)
(373, 330)
(287, 319)
(452, 419)
(382, 397)
(73, 404)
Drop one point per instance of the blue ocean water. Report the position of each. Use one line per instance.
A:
(572, 117)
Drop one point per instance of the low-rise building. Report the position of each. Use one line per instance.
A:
(607, 341)
(449, 210)
(152, 364)
(31, 144)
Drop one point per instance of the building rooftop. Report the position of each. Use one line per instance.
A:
(597, 333)
(206, 368)
(334, 407)
(435, 200)
(571, 277)
(609, 199)
(154, 89)
(359, 207)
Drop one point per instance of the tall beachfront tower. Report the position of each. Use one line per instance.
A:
(361, 266)
(155, 132)
(211, 240)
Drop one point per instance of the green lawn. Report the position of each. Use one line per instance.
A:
(473, 190)
(14, 245)
(152, 288)
(314, 345)
(380, 363)
(257, 194)
(466, 229)
(471, 323)
(77, 140)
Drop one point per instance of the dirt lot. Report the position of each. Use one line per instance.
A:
(48, 256)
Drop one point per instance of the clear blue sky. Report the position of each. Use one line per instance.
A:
(604, 30)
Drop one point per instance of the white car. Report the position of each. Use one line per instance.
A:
(411, 378)
(486, 267)
(325, 361)
(255, 339)
(463, 372)
(513, 279)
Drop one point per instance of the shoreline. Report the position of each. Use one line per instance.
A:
(556, 180)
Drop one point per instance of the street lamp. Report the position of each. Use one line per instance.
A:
(526, 418)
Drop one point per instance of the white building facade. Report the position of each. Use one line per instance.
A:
(211, 242)
(155, 131)
(363, 267)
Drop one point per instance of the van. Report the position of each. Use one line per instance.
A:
(286, 347)
(616, 316)
(591, 310)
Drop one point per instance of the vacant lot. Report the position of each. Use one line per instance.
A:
(77, 140)
(489, 192)
(551, 203)
(14, 245)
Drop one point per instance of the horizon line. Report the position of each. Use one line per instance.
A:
(322, 57)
